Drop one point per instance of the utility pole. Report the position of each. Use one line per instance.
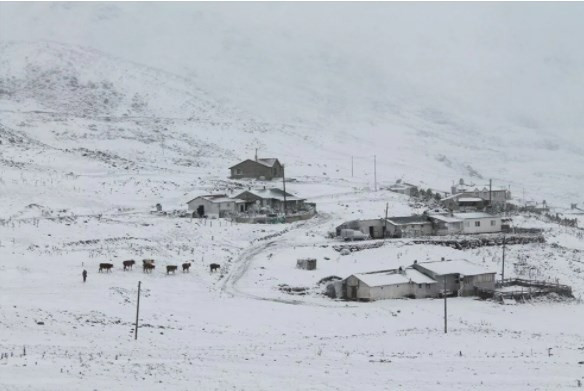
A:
(375, 171)
(445, 306)
(284, 186)
(137, 312)
(385, 221)
(490, 192)
(351, 166)
(503, 268)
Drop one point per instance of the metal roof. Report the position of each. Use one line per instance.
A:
(394, 277)
(408, 220)
(268, 162)
(475, 215)
(459, 266)
(272, 194)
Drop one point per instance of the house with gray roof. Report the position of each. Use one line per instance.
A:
(272, 199)
(263, 169)
(389, 284)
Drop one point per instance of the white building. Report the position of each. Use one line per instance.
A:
(215, 205)
(459, 276)
(479, 222)
(389, 284)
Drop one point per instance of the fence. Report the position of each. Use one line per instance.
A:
(534, 288)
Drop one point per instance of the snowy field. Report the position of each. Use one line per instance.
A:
(106, 110)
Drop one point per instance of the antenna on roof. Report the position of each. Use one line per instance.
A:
(256, 154)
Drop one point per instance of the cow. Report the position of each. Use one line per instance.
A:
(128, 264)
(186, 266)
(148, 265)
(105, 266)
(171, 268)
(214, 266)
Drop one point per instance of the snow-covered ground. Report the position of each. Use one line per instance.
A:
(94, 132)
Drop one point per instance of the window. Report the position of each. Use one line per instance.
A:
(238, 171)
(419, 285)
(477, 223)
(493, 223)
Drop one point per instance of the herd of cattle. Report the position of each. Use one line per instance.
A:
(148, 265)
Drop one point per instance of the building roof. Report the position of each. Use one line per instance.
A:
(446, 219)
(406, 220)
(273, 194)
(394, 277)
(268, 162)
(217, 198)
(470, 199)
(459, 266)
(474, 215)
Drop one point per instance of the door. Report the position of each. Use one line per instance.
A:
(353, 294)
(201, 210)
(372, 232)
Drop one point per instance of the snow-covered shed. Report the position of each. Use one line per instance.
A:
(389, 284)
(375, 228)
(458, 276)
(215, 205)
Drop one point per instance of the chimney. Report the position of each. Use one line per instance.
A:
(442, 259)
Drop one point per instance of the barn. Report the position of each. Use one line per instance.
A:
(389, 284)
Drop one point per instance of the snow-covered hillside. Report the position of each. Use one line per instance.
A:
(107, 109)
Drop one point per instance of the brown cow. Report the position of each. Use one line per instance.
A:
(171, 268)
(186, 266)
(214, 266)
(128, 264)
(107, 266)
(148, 267)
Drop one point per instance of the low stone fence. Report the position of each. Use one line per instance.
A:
(263, 219)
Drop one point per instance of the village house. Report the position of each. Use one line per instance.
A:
(215, 205)
(459, 277)
(271, 200)
(408, 226)
(494, 196)
(479, 222)
(389, 284)
(463, 202)
(263, 169)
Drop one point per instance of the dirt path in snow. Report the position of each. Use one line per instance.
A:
(244, 260)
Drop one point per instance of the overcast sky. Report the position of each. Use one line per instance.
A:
(502, 63)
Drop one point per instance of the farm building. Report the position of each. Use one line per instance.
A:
(271, 200)
(402, 187)
(264, 169)
(463, 202)
(409, 226)
(374, 228)
(389, 284)
(457, 276)
(215, 205)
(479, 222)
(496, 195)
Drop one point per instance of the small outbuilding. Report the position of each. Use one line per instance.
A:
(306, 264)
(273, 199)
(479, 222)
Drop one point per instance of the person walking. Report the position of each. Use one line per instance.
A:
(84, 274)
